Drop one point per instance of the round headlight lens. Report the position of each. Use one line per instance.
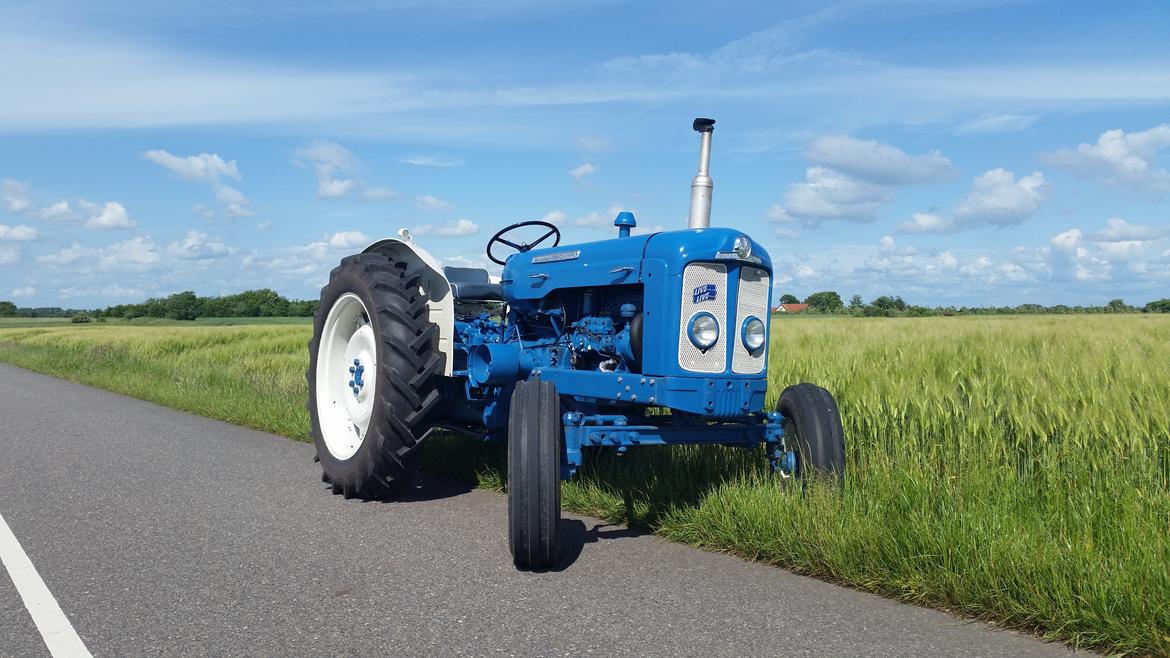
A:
(743, 246)
(753, 333)
(704, 330)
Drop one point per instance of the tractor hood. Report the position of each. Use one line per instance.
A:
(619, 261)
(681, 247)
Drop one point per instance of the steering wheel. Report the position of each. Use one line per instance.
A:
(522, 247)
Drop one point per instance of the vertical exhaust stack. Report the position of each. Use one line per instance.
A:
(701, 184)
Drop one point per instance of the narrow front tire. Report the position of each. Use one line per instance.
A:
(535, 440)
(813, 430)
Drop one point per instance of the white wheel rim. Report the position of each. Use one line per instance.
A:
(346, 373)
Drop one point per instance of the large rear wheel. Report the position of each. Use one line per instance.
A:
(813, 430)
(534, 474)
(373, 362)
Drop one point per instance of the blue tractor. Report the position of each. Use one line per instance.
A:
(638, 340)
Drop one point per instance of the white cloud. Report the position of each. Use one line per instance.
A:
(583, 171)
(332, 188)
(57, 212)
(210, 169)
(9, 255)
(126, 84)
(927, 222)
(853, 179)
(18, 233)
(876, 162)
(456, 229)
(827, 195)
(593, 220)
(379, 193)
(349, 240)
(203, 168)
(66, 256)
(601, 220)
(134, 254)
(1122, 160)
(264, 225)
(555, 217)
(137, 254)
(480, 262)
(1119, 230)
(110, 215)
(199, 246)
(431, 203)
(329, 159)
(431, 161)
(14, 194)
(327, 153)
(1069, 257)
(995, 123)
(24, 291)
(996, 198)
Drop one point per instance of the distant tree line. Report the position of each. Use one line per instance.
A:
(184, 305)
(187, 305)
(829, 302)
(10, 310)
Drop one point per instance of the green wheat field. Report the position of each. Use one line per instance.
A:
(1013, 469)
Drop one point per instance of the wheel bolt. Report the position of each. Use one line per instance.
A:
(356, 390)
(351, 384)
(357, 362)
(352, 369)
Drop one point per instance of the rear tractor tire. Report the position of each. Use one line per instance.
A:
(535, 444)
(813, 430)
(373, 366)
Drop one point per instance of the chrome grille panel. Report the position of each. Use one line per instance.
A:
(752, 299)
(699, 275)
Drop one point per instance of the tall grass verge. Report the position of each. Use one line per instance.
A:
(1013, 469)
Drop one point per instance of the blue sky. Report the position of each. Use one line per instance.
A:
(950, 152)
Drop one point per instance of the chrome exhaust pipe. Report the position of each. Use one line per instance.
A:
(701, 184)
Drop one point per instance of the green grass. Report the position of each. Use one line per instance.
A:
(32, 322)
(1009, 468)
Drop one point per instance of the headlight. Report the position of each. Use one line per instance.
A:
(743, 247)
(753, 333)
(703, 330)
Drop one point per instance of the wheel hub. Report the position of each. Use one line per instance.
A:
(346, 377)
(359, 354)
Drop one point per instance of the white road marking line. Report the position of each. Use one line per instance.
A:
(54, 626)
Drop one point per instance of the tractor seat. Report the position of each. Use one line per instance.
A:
(472, 284)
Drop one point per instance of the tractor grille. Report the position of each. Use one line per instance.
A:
(704, 289)
(751, 300)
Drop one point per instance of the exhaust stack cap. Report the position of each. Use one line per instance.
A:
(702, 185)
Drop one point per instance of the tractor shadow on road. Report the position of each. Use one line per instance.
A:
(575, 535)
(423, 487)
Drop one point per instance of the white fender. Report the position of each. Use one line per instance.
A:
(440, 303)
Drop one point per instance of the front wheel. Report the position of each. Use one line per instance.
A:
(534, 474)
(814, 424)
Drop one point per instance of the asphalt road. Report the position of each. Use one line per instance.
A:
(162, 533)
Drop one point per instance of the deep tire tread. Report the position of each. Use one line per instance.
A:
(409, 362)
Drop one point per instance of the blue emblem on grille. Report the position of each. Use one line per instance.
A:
(704, 293)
